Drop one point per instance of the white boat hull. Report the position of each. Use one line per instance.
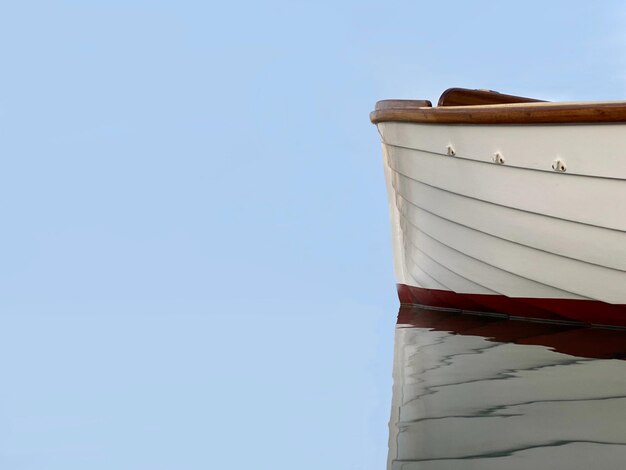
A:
(512, 236)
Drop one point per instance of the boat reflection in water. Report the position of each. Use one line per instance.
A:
(476, 392)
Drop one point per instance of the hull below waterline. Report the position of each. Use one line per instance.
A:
(582, 311)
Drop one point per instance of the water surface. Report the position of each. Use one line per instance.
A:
(475, 392)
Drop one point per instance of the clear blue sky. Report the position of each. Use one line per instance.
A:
(195, 269)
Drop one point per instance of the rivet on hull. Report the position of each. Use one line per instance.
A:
(498, 158)
(559, 165)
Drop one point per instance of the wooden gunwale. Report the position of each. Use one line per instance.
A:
(465, 106)
(515, 113)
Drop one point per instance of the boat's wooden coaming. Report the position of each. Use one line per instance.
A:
(465, 97)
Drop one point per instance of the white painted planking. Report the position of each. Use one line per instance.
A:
(541, 266)
(566, 238)
(588, 149)
(486, 275)
(417, 261)
(595, 201)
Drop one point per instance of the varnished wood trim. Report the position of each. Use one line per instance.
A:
(519, 113)
(467, 97)
(403, 104)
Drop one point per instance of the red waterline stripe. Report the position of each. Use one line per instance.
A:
(585, 311)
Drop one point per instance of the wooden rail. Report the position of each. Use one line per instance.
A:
(509, 110)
